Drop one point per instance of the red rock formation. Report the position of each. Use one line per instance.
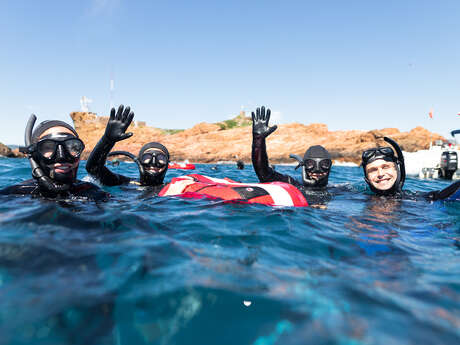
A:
(5, 151)
(208, 143)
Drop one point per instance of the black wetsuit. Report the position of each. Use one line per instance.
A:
(435, 195)
(115, 131)
(96, 165)
(388, 154)
(444, 193)
(79, 190)
(314, 195)
(96, 168)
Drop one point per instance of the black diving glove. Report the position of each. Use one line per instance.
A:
(118, 124)
(260, 119)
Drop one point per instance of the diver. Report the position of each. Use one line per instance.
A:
(152, 161)
(316, 163)
(385, 173)
(240, 164)
(54, 151)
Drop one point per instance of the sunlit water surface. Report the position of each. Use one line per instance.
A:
(146, 270)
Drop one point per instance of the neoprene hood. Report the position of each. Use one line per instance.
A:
(398, 159)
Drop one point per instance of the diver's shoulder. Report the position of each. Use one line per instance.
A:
(89, 190)
(22, 188)
(85, 185)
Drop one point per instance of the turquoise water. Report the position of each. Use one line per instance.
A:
(145, 270)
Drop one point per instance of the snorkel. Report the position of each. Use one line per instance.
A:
(152, 178)
(398, 160)
(45, 183)
(131, 156)
(316, 166)
(146, 178)
(305, 178)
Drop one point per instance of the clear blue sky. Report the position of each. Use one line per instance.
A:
(349, 64)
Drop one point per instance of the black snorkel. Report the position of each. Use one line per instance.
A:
(45, 183)
(131, 156)
(397, 159)
(301, 162)
(399, 162)
(146, 178)
(298, 159)
(316, 162)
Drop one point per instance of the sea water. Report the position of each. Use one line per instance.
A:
(140, 269)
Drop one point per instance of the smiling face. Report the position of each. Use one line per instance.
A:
(317, 176)
(61, 170)
(316, 171)
(381, 174)
(150, 168)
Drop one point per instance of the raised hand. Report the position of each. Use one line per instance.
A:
(118, 123)
(260, 121)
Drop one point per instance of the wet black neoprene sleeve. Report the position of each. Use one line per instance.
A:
(96, 164)
(260, 163)
(445, 193)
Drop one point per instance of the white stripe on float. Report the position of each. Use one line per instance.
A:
(280, 196)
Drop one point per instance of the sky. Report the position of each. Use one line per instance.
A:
(348, 64)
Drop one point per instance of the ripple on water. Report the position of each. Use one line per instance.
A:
(146, 270)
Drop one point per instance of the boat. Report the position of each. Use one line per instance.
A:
(445, 163)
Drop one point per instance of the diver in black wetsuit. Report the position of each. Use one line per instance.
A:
(316, 163)
(54, 151)
(152, 161)
(385, 174)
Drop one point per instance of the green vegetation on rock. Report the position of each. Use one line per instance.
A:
(172, 131)
(239, 121)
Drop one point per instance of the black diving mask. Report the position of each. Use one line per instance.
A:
(376, 153)
(313, 165)
(57, 146)
(155, 159)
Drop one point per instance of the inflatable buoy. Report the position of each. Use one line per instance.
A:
(183, 166)
(199, 186)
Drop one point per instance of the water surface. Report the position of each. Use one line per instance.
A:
(146, 270)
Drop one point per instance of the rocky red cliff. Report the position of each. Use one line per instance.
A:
(210, 143)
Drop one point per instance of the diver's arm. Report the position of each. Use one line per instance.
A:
(260, 159)
(115, 131)
(260, 130)
(445, 193)
(263, 170)
(96, 164)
